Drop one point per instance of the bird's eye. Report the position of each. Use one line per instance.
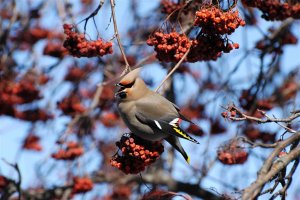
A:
(122, 95)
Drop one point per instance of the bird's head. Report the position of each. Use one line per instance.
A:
(131, 87)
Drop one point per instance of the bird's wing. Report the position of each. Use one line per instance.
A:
(182, 116)
(169, 127)
(155, 106)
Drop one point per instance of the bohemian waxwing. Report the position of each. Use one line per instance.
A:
(148, 114)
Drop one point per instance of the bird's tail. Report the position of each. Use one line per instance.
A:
(174, 142)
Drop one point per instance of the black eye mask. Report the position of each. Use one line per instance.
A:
(129, 85)
(122, 95)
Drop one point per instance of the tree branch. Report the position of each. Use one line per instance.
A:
(112, 5)
(161, 177)
(270, 167)
(242, 116)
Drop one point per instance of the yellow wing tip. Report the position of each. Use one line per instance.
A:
(188, 160)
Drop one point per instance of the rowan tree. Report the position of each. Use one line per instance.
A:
(231, 66)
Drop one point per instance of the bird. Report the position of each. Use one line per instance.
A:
(149, 115)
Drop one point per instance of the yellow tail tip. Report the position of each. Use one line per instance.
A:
(188, 160)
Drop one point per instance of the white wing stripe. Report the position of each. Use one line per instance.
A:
(157, 124)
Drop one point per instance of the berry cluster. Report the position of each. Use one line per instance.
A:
(18, 92)
(232, 153)
(209, 47)
(217, 128)
(79, 46)
(33, 115)
(253, 105)
(43, 79)
(264, 104)
(213, 20)
(55, 49)
(170, 47)
(31, 142)
(195, 130)
(209, 44)
(168, 7)
(87, 2)
(136, 154)
(76, 74)
(270, 46)
(254, 134)
(14, 93)
(110, 119)
(71, 105)
(275, 10)
(29, 37)
(6, 13)
(193, 112)
(71, 151)
(106, 98)
(230, 112)
(119, 192)
(288, 90)
(82, 185)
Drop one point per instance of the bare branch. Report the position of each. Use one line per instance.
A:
(270, 167)
(242, 116)
(257, 144)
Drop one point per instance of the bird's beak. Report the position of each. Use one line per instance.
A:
(121, 92)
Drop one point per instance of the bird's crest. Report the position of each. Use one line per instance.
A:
(130, 77)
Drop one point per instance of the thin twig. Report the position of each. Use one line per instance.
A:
(173, 70)
(257, 144)
(283, 126)
(146, 60)
(92, 15)
(112, 5)
(69, 127)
